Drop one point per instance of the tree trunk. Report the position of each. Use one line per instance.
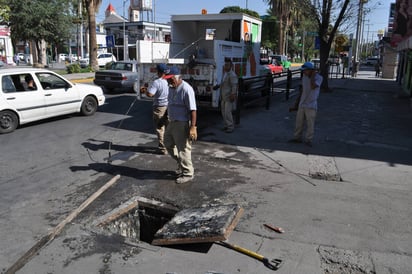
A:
(324, 64)
(92, 35)
(281, 42)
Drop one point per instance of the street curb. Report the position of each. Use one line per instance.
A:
(82, 80)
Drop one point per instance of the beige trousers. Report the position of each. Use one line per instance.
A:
(308, 115)
(226, 109)
(160, 122)
(179, 146)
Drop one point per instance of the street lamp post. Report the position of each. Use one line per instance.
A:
(125, 42)
(358, 30)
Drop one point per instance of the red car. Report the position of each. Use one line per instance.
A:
(274, 67)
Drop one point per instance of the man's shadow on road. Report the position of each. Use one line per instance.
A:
(124, 152)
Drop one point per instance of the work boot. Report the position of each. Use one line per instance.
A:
(179, 170)
(184, 179)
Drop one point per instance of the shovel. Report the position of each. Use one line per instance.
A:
(273, 264)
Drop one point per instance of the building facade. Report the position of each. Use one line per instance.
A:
(128, 32)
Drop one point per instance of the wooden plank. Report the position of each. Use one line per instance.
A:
(49, 237)
(118, 212)
(199, 225)
(133, 203)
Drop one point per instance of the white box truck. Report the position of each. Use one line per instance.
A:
(199, 45)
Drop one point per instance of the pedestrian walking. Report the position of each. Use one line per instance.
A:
(181, 130)
(16, 59)
(377, 69)
(159, 90)
(228, 94)
(308, 105)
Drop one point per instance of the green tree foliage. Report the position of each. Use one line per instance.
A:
(237, 9)
(329, 16)
(4, 12)
(40, 21)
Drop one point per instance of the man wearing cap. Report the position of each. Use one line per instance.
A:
(159, 90)
(308, 105)
(181, 130)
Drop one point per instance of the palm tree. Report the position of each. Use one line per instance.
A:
(92, 6)
(284, 11)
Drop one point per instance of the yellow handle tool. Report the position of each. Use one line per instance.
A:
(273, 264)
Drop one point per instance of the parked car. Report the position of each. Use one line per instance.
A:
(334, 60)
(72, 58)
(104, 58)
(283, 60)
(62, 57)
(29, 94)
(274, 67)
(21, 56)
(316, 63)
(120, 75)
(371, 61)
(84, 62)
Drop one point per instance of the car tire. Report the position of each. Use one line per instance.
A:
(89, 106)
(8, 121)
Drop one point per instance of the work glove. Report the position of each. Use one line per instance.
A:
(193, 133)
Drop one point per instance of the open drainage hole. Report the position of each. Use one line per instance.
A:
(140, 223)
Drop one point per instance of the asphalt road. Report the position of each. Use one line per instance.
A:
(360, 224)
(38, 159)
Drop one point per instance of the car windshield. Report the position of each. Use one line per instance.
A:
(122, 66)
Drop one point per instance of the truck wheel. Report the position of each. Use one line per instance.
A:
(8, 121)
(89, 106)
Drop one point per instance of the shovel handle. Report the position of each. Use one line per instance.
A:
(247, 252)
(273, 265)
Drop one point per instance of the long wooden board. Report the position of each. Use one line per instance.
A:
(199, 225)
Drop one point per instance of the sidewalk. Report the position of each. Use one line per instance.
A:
(344, 203)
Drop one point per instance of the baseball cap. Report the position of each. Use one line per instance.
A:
(307, 65)
(172, 71)
(162, 68)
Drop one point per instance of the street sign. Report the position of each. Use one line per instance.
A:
(110, 41)
(312, 33)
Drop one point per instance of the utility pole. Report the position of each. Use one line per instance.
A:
(367, 40)
(358, 35)
(125, 40)
(81, 30)
(358, 30)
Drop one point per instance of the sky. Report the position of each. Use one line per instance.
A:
(376, 19)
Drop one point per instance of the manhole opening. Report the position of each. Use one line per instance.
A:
(161, 224)
(137, 221)
(151, 220)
